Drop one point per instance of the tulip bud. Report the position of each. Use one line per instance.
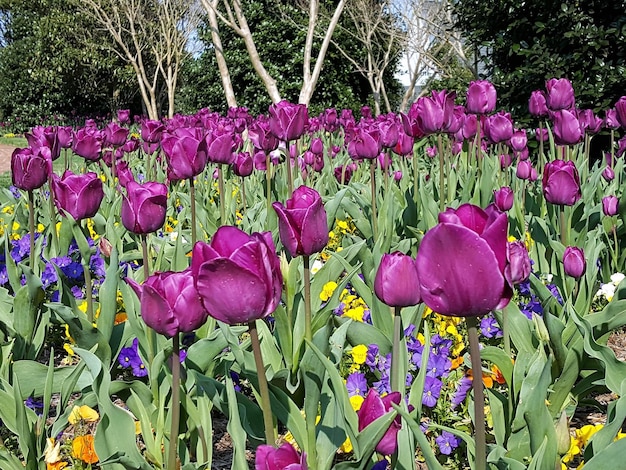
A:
(397, 280)
(79, 195)
(30, 169)
(503, 198)
(563, 438)
(519, 267)
(610, 205)
(524, 168)
(537, 104)
(144, 207)
(608, 174)
(560, 94)
(561, 183)
(105, 247)
(574, 262)
(481, 97)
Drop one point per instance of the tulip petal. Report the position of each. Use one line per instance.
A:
(288, 234)
(157, 313)
(459, 272)
(314, 236)
(227, 239)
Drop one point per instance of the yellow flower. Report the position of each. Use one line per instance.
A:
(137, 427)
(40, 228)
(8, 209)
(328, 290)
(82, 448)
(356, 401)
(83, 306)
(584, 434)
(68, 349)
(359, 354)
(355, 313)
(573, 451)
(83, 413)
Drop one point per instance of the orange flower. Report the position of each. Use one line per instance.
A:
(456, 362)
(60, 465)
(487, 379)
(82, 448)
(497, 375)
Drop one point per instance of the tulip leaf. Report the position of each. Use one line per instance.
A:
(234, 427)
(108, 298)
(611, 456)
(203, 353)
(616, 414)
(519, 326)
(500, 359)
(33, 376)
(427, 452)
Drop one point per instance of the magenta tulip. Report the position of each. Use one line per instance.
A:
(537, 104)
(620, 111)
(302, 223)
(524, 169)
(79, 195)
(151, 131)
(610, 205)
(170, 303)
(30, 168)
(574, 262)
(499, 127)
(365, 141)
(186, 154)
(237, 275)
(260, 135)
(589, 123)
(220, 144)
(372, 408)
(463, 260)
(404, 145)
(284, 457)
(481, 97)
(115, 135)
(561, 183)
(123, 116)
(435, 113)
(560, 94)
(519, 267)
(397, 280)
(518, 140)
(243, 165)
(287, 120)
(503, 198)
(144, 207)
(608, 174)
(48, 136)
(610, 119)
(87, 142)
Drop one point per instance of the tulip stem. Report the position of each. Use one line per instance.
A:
(416, 180)
(480, 458)
(268, 183)
(31, 228)
(88, 286)
(270, 436)
(151, 334)
(192, 197)
(308, 332)
(442, 199)
(243, 195)
(53, 219)
(396, 382)
(373, 188)
(175, 404)
(220, 182)
(564, 240)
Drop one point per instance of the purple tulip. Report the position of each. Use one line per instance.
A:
(237, 275)
(87, 142)
(170, 303)
(284, 457)
(243, 165)
(499, 127)
(220, 144)
(610, 205)
(343, 173)
(79, 195)
(144, 207)
(114, 135)
(518, 140)
(390, 129)
(411, 122)
(404, 145)
(186, 154)
(435, 113)
(288, 121)
(481, 97)
(524, 169)
(589, 122)
(560, 94)
(260, 135)
(610, 119)
(620, 111)
(519, 267)
(41, 136)
(65, 134)
(365, 141)
(151, 131)
(574, 262)
(302, 224)
(566, 127)
(537, 104)
(505, 161)
(30, 168)
(124, 174)
(608, 174)
(397, 175)
(317, 146)
(397, 280)
(503, 198)
(123, 116)
(561, 183)
(372, 408)
(541, 134)
(464, 260)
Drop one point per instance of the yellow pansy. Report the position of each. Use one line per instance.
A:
(355, 313)
(359, 354)
(573, 451)
(356, 401)
(328, 290)
(584, 434)
(83, 413)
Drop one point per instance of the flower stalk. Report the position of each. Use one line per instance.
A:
(480, 458)
(268, 421)
(175, 405)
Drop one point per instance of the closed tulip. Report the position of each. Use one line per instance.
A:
(237, 275)
(220, 144)
(288, 121)
(561, 183)
(87, 142)
(79, 195)
(608, 174)
(524, 169)
(115, 135)
(481, 97)
(123, 116)
(566, 127)
(503, 198)
(397, 280)
(620, 111)
(365, 142)
(186, 154)
(537, 104)
(144, 207)
(519, 267)
(284, 457)
(610, 119)
(372, 408)
(243, 165)
(151, 131)
(518, 140)
(463, 259)
(302, 222)
(30, 167)
(499, 127)
(170, 303)
(574, 262)
(404, 145)
(560, 94)
(610, 205)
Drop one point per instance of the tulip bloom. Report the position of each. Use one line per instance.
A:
(243, 165)
(365, 142)
(620, 111)
(144, 207)
(574, 262)
(464, 260)
(186, 155)
(170, 303)
(561, 183)
(566, 127)
(151, 131)
(372, 408)
(503, 198)
(610, 205)
(237, 275)
(302, 224)
(537, 104)
(560, 94)
(30, 168)
(397, 280)
(435, 113)
(115, 135)
(519, 266)
(523, 169)
(79, 195)
(499, 127)
(288, 121)
(608, 174)
(41, 136)
(220, 144)
(481, 97)
(87, 142)
(283, 458)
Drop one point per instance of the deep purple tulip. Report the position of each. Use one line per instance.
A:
(610, 205)
(519, 267)
(170, 303)
(435, 113)
(123, 116)
(503, 198)
(411, 123)
(372, 408)
(481, 97)
(397, 280)
(124, 174)
(243, 165)
(151, 131)
(365, 142)
(541, 134)
(48, 136)
(87, 142)
(524, 168)
(317, 146)
(505, 161)
(260, 135)
(343, 173)
(397, 175)
(463, 259)
(610, 119)
(30, 168)
(561, 183)
(144, 207)
(114, 135)
(79, 195)
(499, 127)
(620, 111)
(186, 154)
(518, 140)
(404, 145)
(560, 94)
(284, 457)
(608, 174)
(574, 262)
(302, 223)
(390, 129)
(65, 134)
(589, 122)
(537, 104)
(220, 144)
(566, 127)
(287, 120)
(237, 275)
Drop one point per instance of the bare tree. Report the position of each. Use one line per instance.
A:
(151, 36)
(233, 16)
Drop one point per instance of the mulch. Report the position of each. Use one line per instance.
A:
(5, 157)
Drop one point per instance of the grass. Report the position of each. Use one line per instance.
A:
(17, 141)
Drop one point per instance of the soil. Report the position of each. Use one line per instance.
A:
(5, 157)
